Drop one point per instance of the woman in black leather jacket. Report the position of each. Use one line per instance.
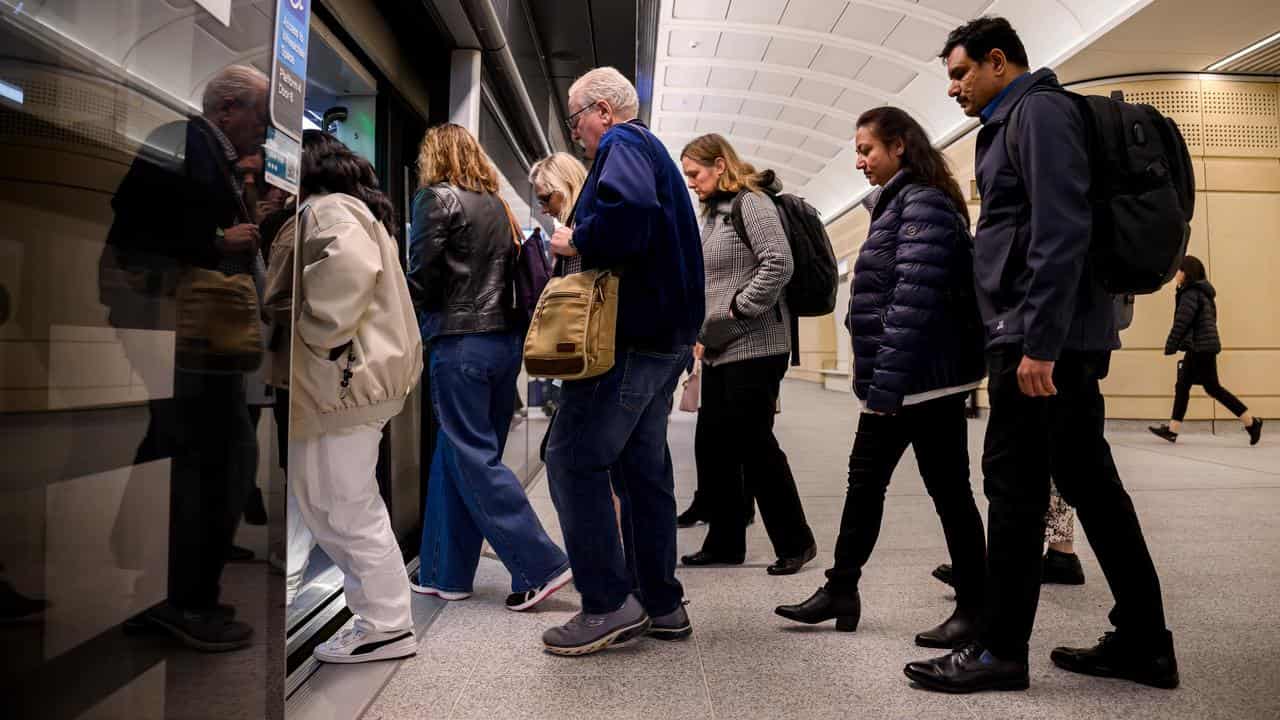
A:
(461, 254)
(1195, 330)
(917, 343)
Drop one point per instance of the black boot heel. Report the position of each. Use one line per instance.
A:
(847, 623)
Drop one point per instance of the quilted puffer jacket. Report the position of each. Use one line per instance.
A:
(913, 313)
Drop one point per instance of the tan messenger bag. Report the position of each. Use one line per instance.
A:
(573, 332)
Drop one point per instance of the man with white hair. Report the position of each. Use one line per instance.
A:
(633, 216)
(181, 207)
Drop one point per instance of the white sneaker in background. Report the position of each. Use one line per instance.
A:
(357, 646)
(442, 594)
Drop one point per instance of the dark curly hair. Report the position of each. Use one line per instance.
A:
(329, 166)
(980, 36)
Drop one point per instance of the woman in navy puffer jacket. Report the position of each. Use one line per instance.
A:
(917, 344)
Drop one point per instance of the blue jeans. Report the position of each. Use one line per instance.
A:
(614, 429)
(472, 496)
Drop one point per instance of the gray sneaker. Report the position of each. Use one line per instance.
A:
(585, 633)
(674, 625)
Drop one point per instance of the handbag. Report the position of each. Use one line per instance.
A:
(692, 393)
(573, 332)
(219, 326)
(530, 270)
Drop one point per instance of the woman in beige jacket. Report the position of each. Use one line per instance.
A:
(357, 354)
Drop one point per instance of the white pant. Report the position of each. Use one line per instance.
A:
(299, 546)
(332, 477)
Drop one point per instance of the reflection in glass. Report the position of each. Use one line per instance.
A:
(136, 477)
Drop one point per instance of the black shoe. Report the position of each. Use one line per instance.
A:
(957, 630)
(969, 669)
(141, 623)
(846, 609)
(255, 510)
(943, 574)
(1163, 431)
(792, 565)
(1255, 431)
(689, 518)
(1061, 569)
(238, 554)
(702, 557)
(212, 631)
(675, 625)
(1148, 663)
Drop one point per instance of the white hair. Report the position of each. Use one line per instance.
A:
(242, 83)
(611, 86)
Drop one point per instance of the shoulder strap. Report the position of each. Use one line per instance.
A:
(244, 215)
(1011, 126)
(739, 224)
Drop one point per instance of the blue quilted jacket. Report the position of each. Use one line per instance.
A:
(913, 313)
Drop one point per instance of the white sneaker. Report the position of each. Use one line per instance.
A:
(442, 594)
(520, 602)
(356, 646)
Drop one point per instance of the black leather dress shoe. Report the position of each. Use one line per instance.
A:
(1062, 569)
(792, 565)
(689, 517)
(969, 669)
(957, 630)
(702, 557)
(1150, 663)
(845, 609)
(944, 575)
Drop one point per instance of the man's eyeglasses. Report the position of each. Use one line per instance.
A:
(572, 121)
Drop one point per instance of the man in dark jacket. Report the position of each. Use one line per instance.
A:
(633, 216)
(1051, 330)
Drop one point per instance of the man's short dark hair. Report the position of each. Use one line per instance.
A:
(979, 37)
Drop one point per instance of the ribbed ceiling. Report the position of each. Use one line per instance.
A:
(785, 80)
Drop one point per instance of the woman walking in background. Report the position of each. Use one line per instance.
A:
(744, 348)
(918, 347)
(1195, 331)
(461, 260)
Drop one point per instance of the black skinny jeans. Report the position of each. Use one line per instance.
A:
(1028, 440)
(1201, 368)
(743, 459)
(937, 431)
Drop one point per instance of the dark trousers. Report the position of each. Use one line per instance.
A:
(1201, 368)
(703, 458)
(213, 466)
(938, 433)
(745, 461)
(1028, 440)
(612, 429)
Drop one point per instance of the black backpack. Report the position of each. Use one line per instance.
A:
(812, 289)
(1142, 191)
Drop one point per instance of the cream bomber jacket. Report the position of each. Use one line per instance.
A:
(357, 351)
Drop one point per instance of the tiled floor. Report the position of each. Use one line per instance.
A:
(1208, 505)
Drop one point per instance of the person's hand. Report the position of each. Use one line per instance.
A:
(268, 206)
(239, 238)
(698, 351)
(560, 242)
(1035, 378)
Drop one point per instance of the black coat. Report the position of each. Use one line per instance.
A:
(1032, 240)
(913, 315)
(1195, 321)
(461, 253)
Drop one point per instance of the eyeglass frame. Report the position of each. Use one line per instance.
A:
(571, 122)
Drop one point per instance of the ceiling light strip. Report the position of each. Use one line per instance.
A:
(1274, 38)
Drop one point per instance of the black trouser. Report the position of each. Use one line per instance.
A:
(937, 431)
(1201, 368)
(703, 458)
(743, 459)
(1028, 440)
(212, 472)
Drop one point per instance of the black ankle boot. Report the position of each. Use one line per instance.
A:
(959, 629)
(844, 608)
(1147, 661)
(1062, 569)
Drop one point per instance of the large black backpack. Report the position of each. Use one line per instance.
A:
(812, 289)
(1142, 191)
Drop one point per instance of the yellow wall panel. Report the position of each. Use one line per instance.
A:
(1250, 372)
(1241, 175)
(1245, 267)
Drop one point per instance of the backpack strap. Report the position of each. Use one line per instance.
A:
(1012, 122)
